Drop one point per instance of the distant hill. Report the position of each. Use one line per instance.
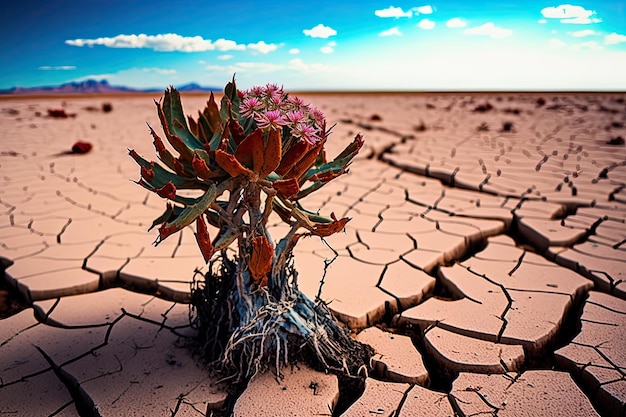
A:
(98, 87)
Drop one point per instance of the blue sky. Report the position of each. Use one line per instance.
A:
(318, 45)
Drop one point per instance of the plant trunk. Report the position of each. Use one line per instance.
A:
(247, 324)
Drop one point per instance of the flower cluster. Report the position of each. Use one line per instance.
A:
(271, 107)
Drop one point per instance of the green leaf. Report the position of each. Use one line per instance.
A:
(176, 120)
(216, 140)
(224, 238)
(313, 217)
(204, 127)
(336, 167)
(187, 215)
(212, 113)
(164, 155)
(310, 189)
(161, 175)
(329, 169)
(230, 91)
(225, 109)
(170, 211)
(352, 149)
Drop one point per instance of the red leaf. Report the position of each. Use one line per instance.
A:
(231, 165)
(326, 176)
(303, 165)
(245, 150)
(288, 188)
(133, 154)
(179, 168)
(147, 173)
(272, 154)
(293, 155)
(261, 260)
(203, 239)
(166, 230)
(327, 229)
(236, 131)
(167, 191)
(200, 167)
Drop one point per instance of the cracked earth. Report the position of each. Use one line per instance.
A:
(485, 263)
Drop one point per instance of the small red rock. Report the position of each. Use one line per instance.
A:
(81, 147)
(58, 113)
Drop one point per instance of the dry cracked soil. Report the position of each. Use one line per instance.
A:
(485, 263)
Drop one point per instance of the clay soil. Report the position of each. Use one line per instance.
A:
(485, 262)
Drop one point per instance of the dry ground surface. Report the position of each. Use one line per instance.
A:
(485, 262)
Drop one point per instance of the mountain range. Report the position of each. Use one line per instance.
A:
(99, 87)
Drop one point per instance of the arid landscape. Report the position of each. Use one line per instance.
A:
(485, 261)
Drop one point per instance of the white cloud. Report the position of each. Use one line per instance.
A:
(582, 33)
(565, 11)
(294, 51)
(393, 12)
(260, 66)
(329, 48)
(299, 65)
(426, 24)
(394, 31)
(489, 29)
(542, 21)
(227, 45)
(163, 42)
(456, 22)
(133, 71)
(169, 42)
(245, 67)
(427, 9)
(581, 20)
(296, 64)
(568, 13)
(587, 45)
(222, 68)
(57, 68)
(138, 77)
(556, 43)
(224, 57)
(160, 71)
(263, 47)
(614, 38)
(320, 31)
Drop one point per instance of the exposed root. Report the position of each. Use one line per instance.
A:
(242, 338)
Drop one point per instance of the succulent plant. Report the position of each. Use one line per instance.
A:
(260, 152)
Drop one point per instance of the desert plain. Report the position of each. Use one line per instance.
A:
(485, 262)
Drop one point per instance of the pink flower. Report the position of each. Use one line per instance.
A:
(319, 117)
(251, 106)
(271, 118)
(295, 116)
(275, 94)
(272, 88)
(257, 90)
(306, 133)
(297, 102)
